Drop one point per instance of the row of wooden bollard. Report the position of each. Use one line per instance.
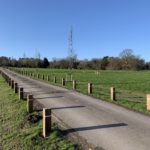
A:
(89, 87)
(63, 83)
(46, 112)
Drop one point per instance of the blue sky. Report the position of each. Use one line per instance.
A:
(100, 27)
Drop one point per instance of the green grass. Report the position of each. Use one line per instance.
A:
(19, 134)
(131, 86)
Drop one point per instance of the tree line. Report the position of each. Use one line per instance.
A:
(127, 60)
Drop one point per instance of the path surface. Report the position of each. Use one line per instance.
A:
(100, 123)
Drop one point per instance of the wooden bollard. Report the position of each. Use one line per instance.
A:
(112, 94)
(46, 122)
(148, 102)
(66, 77)
(89, 88)
(21, 93)
(74, 84)
(29, 103)
(55, 79)
(12, 84)
(38, 76)
(47, 77)
(63, 82)
(16, 88)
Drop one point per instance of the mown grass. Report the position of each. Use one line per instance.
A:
(17, 133)
(131, 86)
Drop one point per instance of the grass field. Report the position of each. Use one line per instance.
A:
(131, 86)
(17, 133)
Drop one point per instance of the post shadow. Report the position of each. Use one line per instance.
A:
(67, 107)
(67, 131)
(50, 97)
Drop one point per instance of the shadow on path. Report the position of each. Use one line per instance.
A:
(67, 107)
(94, 127)
(49, 97)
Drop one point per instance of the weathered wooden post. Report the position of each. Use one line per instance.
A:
(12, 84)
(74, 84)
(148, 102)
(46, 122)
(112, 94)
(21, 93)
(63, 82)
(89, 88)
(54, 79)
(29, 103)
(38, 76)
(66, 77)
(16, 88)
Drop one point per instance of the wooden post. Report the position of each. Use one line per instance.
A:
(29, 103)
(66, 77)
(12, 84)
(148, 102)
(16, 88)
(47, 77)
(21, 93)
(74, 84)
(89, 88)
(38, 76)
(46, 122)
(54, 79)
(33, 75)
(63, 82)
(112, 94)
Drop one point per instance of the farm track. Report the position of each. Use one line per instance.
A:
(97, 123)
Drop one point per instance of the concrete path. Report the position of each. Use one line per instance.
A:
(101, 124)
